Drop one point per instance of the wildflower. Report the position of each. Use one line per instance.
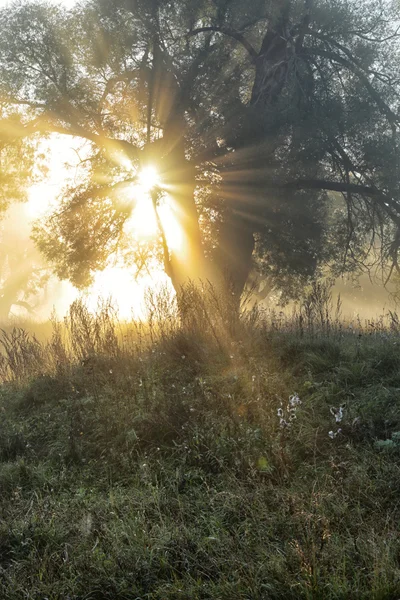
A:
(288, 415)
(294, 400)
(337, 412)
(333, 434)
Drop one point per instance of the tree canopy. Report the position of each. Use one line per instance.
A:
(273, 125)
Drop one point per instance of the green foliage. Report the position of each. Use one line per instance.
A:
(82, 234)
(262, 108)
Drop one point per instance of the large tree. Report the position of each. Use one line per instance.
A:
(273, 125)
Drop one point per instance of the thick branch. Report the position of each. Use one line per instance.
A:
(349, 54)
(334, 186)
(376, 40)
(239, 37)
(385, 201)
(13, 131)
(30, 103)
(304, 25)
(351, 66)
(125, 77)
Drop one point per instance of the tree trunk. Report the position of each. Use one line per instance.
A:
(236, 241)
(16, 282)
(186, 263)
(234, 255)
(233, 260)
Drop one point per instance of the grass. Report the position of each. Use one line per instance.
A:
(149, 462)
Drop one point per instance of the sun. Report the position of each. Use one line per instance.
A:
(143, 226)
(143, 222)
(148, 178)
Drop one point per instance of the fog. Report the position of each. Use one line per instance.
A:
(29, 289)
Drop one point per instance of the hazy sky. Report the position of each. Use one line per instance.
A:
(66, 3)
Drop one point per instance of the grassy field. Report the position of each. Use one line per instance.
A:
(210, 458)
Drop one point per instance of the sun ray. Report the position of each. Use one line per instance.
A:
(172, 228)
(143, 222)
(117, 281)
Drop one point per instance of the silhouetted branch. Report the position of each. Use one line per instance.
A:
(304, 25)
(239, 37)
(334, 186)
(354, 68)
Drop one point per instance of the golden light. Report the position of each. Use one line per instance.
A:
(40, 200)
(172, 228)
(148, 178)
(143, 222)
(42, 196)
(114, 282)
(117, 282)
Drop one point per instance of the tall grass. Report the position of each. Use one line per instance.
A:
(202, 453)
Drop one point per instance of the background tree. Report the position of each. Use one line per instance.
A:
(253, 114)
(23, 274)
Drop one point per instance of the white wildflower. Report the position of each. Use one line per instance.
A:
(253, 381)
(333, 434)
(337, 412)
(294, 400)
